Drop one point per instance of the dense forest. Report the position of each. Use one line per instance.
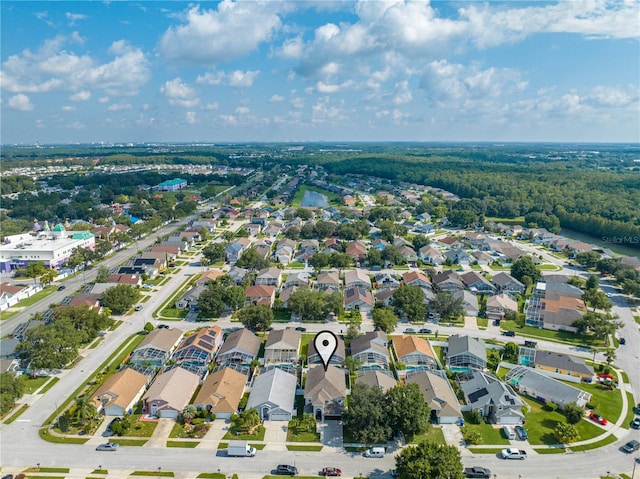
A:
(592, 189)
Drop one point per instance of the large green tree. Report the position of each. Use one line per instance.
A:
(447, 306)
(120, 298)
(525, 270)
(410, 300)
(385, 319)
(366, 416)
(407, 410)
(256, 317)
(429, 461)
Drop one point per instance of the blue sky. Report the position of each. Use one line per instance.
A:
(297, 71)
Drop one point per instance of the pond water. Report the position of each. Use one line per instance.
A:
(313, 198)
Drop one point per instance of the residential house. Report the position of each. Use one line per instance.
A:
(358, 298)
(120, 392)
(259, 294)
(90, 300)
(199, 348)
(386, 280)
(465, 353)
(221, 392)
(448, 281)
(457, 256)
(134, 280)
(449, 242)
(171, 251)
(299, 279)
(384, 296)
(325, 392)
(562, 366)
(156, 348)
(170, 393)
(414, 352)
(431, 255)
(338, 357)
(379, 244)
(481, 258)
(371, 348)
(273, 395)
(234, 250)
(263, 249)
(253, 229)
(189, 300)
(269, 277)
(237, 274)
(357, 250)
(285, 295)
(417, 278)
(273, 229)
(284, 251)
(561, 314)
(241, 347)
(328, 281)
(439, 395)
(505, 283)
(209, 276)
(543, 388)
(282, 346)
(477, 283)
(497, 401)
(356, 277)
(469, 302)
(499, 305)
(380, 378)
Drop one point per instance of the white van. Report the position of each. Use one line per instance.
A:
(375, 452)
(509, 432)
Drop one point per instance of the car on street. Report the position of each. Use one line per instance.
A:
(622, 341)
(513, 453)
(108, 446)
(597, 418)
(631, 446)
(409, 331)
(637, 408)
(425, 331)
(521, 432)
(61, 287)
(331, 472)
(286, 470)
(139, 307)
(301, 328)
(635, 424)
(477, 472)
(163, 326)
(8, 476)
(510, 334)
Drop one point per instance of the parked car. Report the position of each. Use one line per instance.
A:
(113, 421)
(163, 326)
(635, 424)
(597, 418)
(139, 307)
(301, 328)
(286, 470)
(637, 408)
(521, 432)
(331, 472)
(511, 334)
(425, 331)
(8, 476)
(61, 287)
(477, 472)
(622, 341)
(631, 446)
(513, 453)
(409, 331)
(109, 446)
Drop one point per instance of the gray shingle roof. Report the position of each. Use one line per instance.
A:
(274, 386)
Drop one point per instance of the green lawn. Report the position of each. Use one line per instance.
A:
(31, 300)
(305, 436)
(157, 473)
(259, 436)
(31, 385)
(630, 413)
(44, 434)
(334, 199)
(485, 450)
(559, 336)
(281, 316)
(184, 444)
(434, 434)
(211, 475)
(141, 428)
(304, 448)
(130, 442)
(490, 434)
(609, 403)
(540, 423)
(17, 414)
(601, 443)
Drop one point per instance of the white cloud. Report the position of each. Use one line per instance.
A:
(52, 68)
(231, 31)
(74, 17)
(402, 93)
(179, 93)
(119, 107)
(191, 117)
(104, 99)
(212, 106)
(275, 98)
(81, 96)
(242, 110)
(20, 102)
(228, 119)
(68, 108)
(236, 79)
(322, 87)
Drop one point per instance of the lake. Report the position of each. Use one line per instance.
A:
(313, 198)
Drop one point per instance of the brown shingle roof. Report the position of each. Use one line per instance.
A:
(405, 345)
(222, 390)
(164, 339)
(122, 387)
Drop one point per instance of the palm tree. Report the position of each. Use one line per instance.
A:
(189, 412)
(85, 410)
(352, 364)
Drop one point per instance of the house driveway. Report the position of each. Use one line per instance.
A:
(331, 433)
(275, 435)
(161, 433)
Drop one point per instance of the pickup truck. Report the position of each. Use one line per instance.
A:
(513, 453)
(477, 472)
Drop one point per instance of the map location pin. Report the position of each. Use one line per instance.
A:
(326, 344)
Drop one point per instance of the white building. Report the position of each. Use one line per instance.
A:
(53, 248)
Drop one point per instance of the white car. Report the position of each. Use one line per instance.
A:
(513, 453)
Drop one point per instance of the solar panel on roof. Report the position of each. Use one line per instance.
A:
(474, 396)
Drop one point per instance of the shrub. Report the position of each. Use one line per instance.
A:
(475, 417)
(593, 403)
(197, 420)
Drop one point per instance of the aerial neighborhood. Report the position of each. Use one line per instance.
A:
(457, 331)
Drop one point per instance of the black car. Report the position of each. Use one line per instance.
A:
(61, 287)
(301, 328)
(425, 331)
(635, 424)
(286, 470)
(163, 326)
(511, 334)
(631, 446)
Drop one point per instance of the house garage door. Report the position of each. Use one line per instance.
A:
(169, 414)
(279, 416)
